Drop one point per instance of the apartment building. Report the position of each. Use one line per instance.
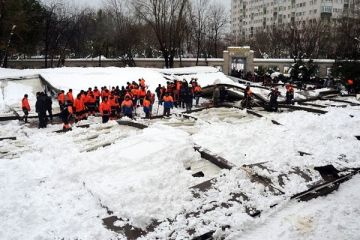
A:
(250, 16)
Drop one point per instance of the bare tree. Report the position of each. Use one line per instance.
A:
(218, 20)
(166, 18)
(200, 11)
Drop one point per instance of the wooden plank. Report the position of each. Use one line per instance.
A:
(313, 110)
(7, 138)
(323, 189)
(213, 158)
(132, 124)
(312, 104)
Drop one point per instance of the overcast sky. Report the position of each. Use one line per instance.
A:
(98, 3)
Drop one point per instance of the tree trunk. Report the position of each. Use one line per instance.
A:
(166, 59)
(197, 51)
(216, 46)
(171, 61)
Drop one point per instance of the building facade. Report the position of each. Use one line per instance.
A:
(251, 16)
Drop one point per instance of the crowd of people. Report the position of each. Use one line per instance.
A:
(115, 102)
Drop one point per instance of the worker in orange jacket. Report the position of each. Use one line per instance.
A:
(142, 83)
(70, 98)
(147, 107)
(114, 106)
(105, 93)
(105, 109)
(197, 93)
(90, 103)
(168, 104)
(61, 99)
(79, 108)
(134, 93)
(127, 107)
(25, 107)
(289, 94)
(97, 95)
(141, 94)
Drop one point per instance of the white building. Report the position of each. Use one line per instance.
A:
(250, 16)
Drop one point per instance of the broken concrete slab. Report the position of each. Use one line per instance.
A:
(299, 108)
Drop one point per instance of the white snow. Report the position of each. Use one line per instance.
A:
(58, 186)
(331, 217)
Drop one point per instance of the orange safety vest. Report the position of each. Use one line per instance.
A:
(90, 99)
(25, 104)
(79, 105)
(70, 97)
(61, 98)
(141, 93)
(127, 103)
(350, 82)
(146, 103)
(142, 82)
(134, 92)
(113, 102)
(96, 93)
(168, 99)
(104, 106)
(197, 89)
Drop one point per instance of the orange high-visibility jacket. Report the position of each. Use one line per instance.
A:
(105, 106)
(79, 105)
(134, 92)
(96, 93)
(168, 99)
(141, 93)
(113, 102)
(25, 104)
(70, 97)
(197, 89)
(127, 103)
(146, 103)
(61, 98)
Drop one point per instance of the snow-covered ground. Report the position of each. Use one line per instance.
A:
(62, 185)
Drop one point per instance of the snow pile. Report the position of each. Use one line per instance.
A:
(330, 217)
(319, 135)
(56, 190)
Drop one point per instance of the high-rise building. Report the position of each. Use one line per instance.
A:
(250, 16)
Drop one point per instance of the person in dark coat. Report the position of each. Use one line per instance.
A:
(188, 97)
(40, 107)
(274, 94)
(158, 92)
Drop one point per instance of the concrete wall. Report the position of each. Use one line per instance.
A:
(252, 63)
(140, 62)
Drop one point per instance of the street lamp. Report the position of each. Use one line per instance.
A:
(4, 65)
